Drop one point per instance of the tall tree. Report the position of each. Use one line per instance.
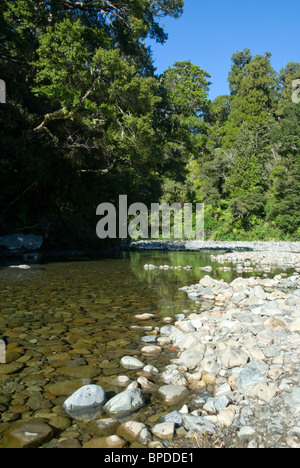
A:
(286, 78)
(79, 125)
(182, 119)
(255, 95)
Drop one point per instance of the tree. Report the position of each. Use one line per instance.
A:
(255, 94)
(284, 206)
(80, 123)
(285, 79)
(182, 121)
(238, 71)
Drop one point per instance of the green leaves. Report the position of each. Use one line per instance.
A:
(254, 93)
(64, 68)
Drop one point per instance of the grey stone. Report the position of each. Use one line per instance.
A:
(16, 244)
(173, 394)
(27, 434)
(249, 377)
(247, 432)
(197, 424)
(87, 398)
(173, 377)
(164, 430)
(222, 402)
(233, 357)
(132, 363)
(190, 358)
(149, 339)
(125, 403)
(175, 417)
(292, 399)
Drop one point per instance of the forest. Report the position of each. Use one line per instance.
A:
(87, 119)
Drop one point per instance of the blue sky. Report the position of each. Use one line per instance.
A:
(209, 33)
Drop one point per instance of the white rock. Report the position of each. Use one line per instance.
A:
(190, 358)
(129, 362)
(87, 397)
(233, 357)
(260, 391)
(126, 402)
(173, 377)
(151, 369)
(164, 430)
(173, 394)
(246, 432)
(208, 282)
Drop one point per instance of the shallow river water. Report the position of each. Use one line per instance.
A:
(69, 323)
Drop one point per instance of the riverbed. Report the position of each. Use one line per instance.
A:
(69, 323)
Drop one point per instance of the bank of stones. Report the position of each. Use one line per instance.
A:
(241, 352)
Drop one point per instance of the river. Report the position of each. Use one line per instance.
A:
(67, 321)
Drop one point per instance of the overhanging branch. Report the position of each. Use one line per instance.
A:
(63, 114)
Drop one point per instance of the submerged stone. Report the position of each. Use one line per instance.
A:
(125, 403)
(29, 434)
(86, 399)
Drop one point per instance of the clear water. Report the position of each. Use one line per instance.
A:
(59, 315)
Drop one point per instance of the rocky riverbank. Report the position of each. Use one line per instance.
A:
(265, 260)
(259, 246)
(232, 375)
(236, 368)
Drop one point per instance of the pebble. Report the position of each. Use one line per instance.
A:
(164, 430)
(172, 394)
(129, 362)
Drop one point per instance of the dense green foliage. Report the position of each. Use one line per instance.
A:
(248, 172)
(88, 119)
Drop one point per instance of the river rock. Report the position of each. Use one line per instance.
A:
(173, 394)
(66, 388)
(86, 399)
(111, 442)
(295, 325)
(246, 432)
(292, 399)
(130, 430)
(233, 357)
(13, 368)
(164, 430)
(249, 377)
(208, 282)
(150, 350)
(27, 434)
(149, 339)
(260, 392)
(151, 369)
(174, 417)
(197, 424)
(190, 358)
(125, 403)
(131, 363)
(173, 377)
(80, 372)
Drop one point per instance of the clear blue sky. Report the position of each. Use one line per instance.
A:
(209, 33)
